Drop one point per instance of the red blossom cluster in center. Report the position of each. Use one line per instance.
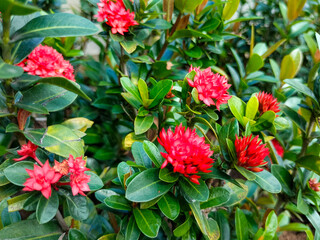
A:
(212, 88)
(116, 15)
(267, 103)
(44, 61)
(251, 153)
(186, 152)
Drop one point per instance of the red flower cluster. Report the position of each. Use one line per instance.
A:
(76, 168)
(28, 150)
(212, 88)
(314, 185)
(116, 16)
(186, 152)
(44, 61)
(41, 179)
(267, 103)
(251, 153)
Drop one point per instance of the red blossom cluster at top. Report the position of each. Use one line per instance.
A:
(212, 88)
(44, 61)
(44, 176)
(267, 103)
(251, 153)
(115, 14)
(186, 152)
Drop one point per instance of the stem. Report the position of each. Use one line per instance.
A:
(306, 138)
(61, 221)
(6, 48)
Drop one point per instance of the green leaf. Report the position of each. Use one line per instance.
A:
(65, 84)
(228, 131)
(47, 208)
(237, 107)
(117, 202)
(217, 197)
(158, 24)
(132, 231)
(183, 228)
(75, 234)
(144, 92)
(255, 63)
(17, 203)
(298, 86)
(193, 191)
(295, 117)
(237, 194)
(131, 100)
(168, 176)
(142, 124)
(148, 222)
(25, 230)
(128, 85)
(310, 162)
(17, 173)
(264, 122)
(95, 181)
(273, 48)
(140, 156)
(153, 152)
(267, 181)
(252, 107)
(284, 177)
(53, 98)
(77, 205)
(32, 202)
(271, 226)
(56, 25)
(246, 173)
(188, 33)
(169, 206)
(301, 204)
(186, 5)
(8, 71)
(129, 46)
(34, 108)
(230, 8)
(313, 217)
(242, 229)
(17, 8)
(147, 186)
(159, 91)
(287, 69)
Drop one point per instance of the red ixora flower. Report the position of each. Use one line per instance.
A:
(115, 14)
(212, 88)
(314, 185)
(267, 103)
(77, 165)
(28, 150)
(41, 179)
(44, 61)
(278, 147)
(186, 152)
(79, 183)
(251, 153)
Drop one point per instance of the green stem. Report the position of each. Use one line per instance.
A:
(6, 48)
(306, 138)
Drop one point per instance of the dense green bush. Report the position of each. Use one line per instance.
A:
(197, 120)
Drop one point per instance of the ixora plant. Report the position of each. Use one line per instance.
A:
(179, 131)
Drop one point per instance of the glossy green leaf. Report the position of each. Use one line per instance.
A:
(187, 6)
(16, 203)
(230, 8)
(140, 156)
(255, 63)
(188, 33)
(147, 186)
(17, 173)
(228, 131)
(246, 173)
(252, 107)
(159, 91)
(193, 191)
(77, 205)
(265, 121)
(122, 169)
(75, 234)
(25, 230)
(148, 222)
(153, 152)
(117, 202)
(142, 124)
(284, 177)
(9, 71)
(242, 229)
(158, 24)
(56, 25)
(237, 194)
(144, 92)
(168, 176)
(31, 202)
(287, 69)
(65, 84)
(268, 182)
(131, 88)
(314, 218)
(295, 117)
(47, 208)
(237, 107)
(95, 181)
(301, 204)
(169, 206)
(310, 162)
(217, 197)
(183, 228)
(132, 231)
(17, 7)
